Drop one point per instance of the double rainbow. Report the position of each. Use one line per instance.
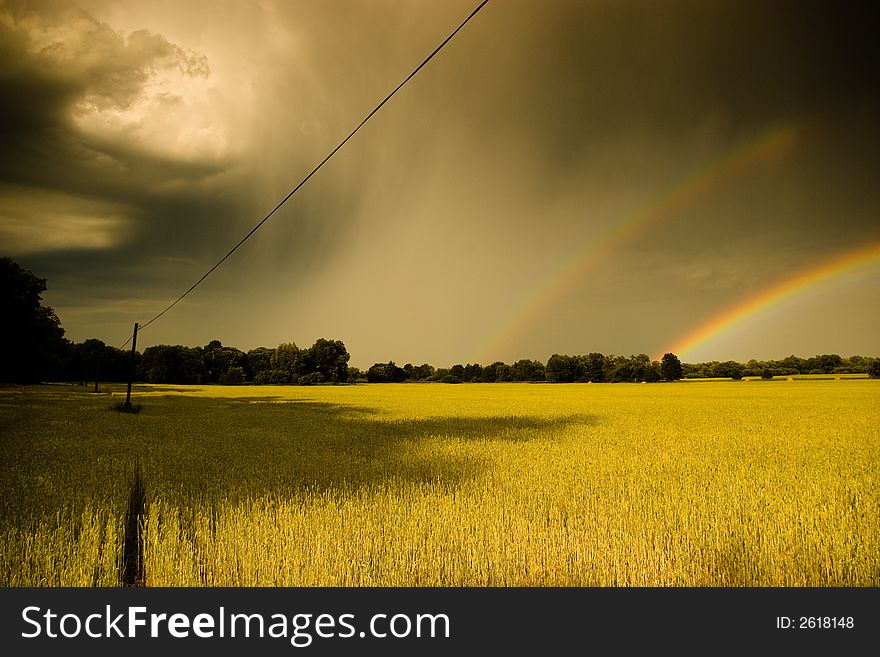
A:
(803, 280)
(690, 189)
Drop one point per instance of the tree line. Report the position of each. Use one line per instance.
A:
(33, 348)
(326, 361)
(824, 364)
(598, 368)
(559, 368)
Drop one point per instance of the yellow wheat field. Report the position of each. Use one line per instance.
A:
(759, 483)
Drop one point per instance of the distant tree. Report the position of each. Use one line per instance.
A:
(329, 358)
(496, 372)
(84, 360)
(385, 373)
(421, 372)
(376, 373)
(172, 364)
(857, 364)
(233, 376)
(618, 369)
(311, 379)
(754, 368)
(217, 360)
(651, 372)
(670, 367)
(424, 371)
(490, 373)
(92, 359)
(32, 344)
(828, 363)
(472, 372)
(793, 365)
(288, 358)
(562, 369)
(259, 360)
(274, 377)
(395, 373)
(874, 369)
(727, 369)
(640, 367)
(354, 375)
(457, 371)
(767, 373)
(732, 369)
(593, 366)
(527, 370)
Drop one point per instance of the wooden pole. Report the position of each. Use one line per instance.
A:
(134, 339)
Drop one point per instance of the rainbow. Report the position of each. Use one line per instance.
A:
(693, 187)
(773, 294)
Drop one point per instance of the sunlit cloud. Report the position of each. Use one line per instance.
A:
(53, 221)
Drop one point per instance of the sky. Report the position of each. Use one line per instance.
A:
(564, 177)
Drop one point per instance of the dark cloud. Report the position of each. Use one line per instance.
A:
(540, 128)
(59, 66)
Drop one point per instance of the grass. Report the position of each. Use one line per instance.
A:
(753, 483)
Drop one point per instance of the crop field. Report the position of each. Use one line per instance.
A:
(723, 483)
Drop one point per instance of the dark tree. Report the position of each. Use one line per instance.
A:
(172, 364)
(259, 360)
(218, 360)
(793, 365)
(385, 373)
(490, 373)
(84, 361)
(527, 370)
(563, 369)
(593, 367)
(829, 363)
(652, 372)
(32, 342)
(234, 376)
(729, 368)
(288, 358)
(329, 358)
(618, 369)
(472, 372)
(857, 364)
(640, 368)
(92, 359)
(497, 371)
(422, 372)
(670, 367)
(874, 369)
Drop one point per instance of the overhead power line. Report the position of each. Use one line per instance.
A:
(315, 170)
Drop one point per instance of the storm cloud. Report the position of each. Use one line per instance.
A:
(140, 142)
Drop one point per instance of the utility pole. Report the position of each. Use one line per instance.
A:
(134, 339)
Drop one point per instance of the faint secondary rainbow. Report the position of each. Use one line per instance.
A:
(688, 190)
(775, 293)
